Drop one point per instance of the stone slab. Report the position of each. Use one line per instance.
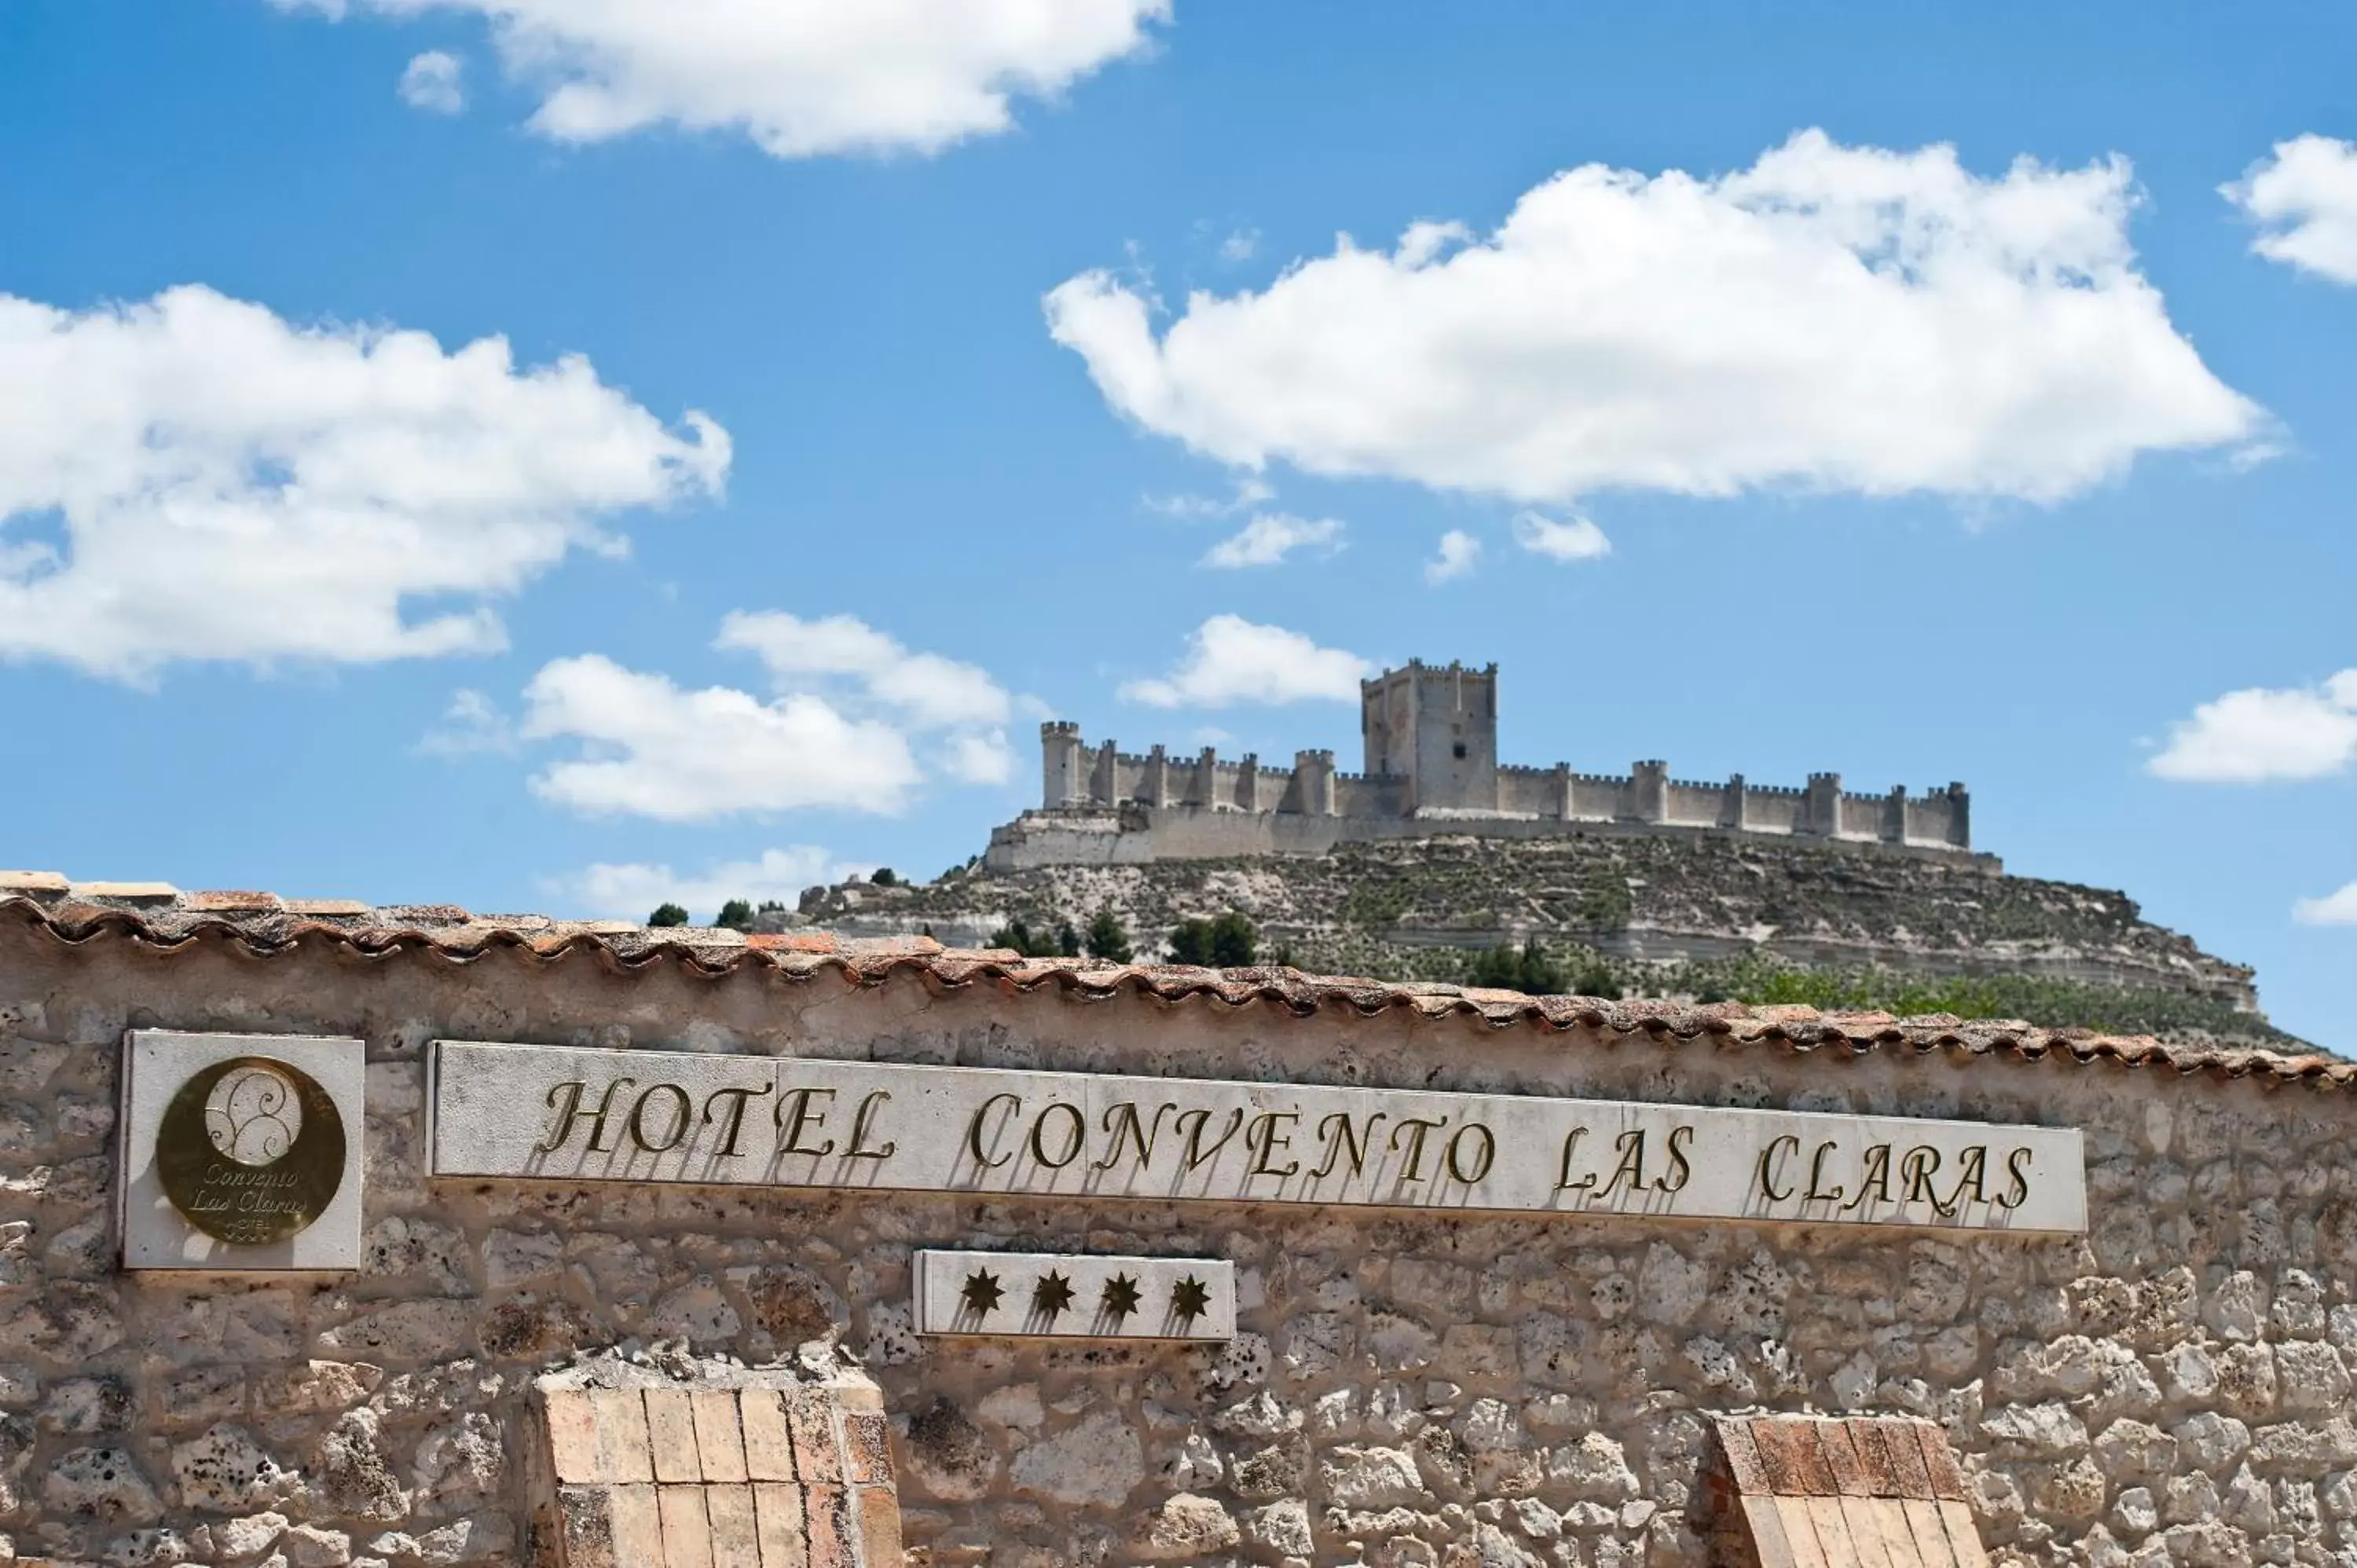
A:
(156, 1233)
(568, 1114)
(1012, 1294)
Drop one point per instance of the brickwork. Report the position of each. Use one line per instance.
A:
(738, 1471)
(1811, 1492)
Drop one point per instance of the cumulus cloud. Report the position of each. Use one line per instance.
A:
(1842, 318)
(2333, 909)
(193, 478)
(431, 82)
(1573, 539)
(1271, 536)
(2304, 198)
(653, 749)
(632, 890)
(799, 77)
(849, 711)
(2260, 733)
(1460, 553)
(1230, 660)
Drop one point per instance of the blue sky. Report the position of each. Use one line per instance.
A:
(872, 388)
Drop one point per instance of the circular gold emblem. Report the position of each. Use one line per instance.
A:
(251, 1150)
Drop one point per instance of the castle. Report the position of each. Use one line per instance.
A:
(1432, 766)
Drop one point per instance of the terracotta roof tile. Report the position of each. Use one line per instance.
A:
(165, 920)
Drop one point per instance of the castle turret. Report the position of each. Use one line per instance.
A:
(1649, 790)
(1438, 729)
(1063, 777)
(1822, 816)
(1313, 784)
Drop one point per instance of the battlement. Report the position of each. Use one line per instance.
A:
(1431, 757)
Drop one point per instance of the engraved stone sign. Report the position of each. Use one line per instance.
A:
(567, 1114)
(1071, 1295)
(241, 1151)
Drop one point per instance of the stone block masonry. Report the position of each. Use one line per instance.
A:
(1405, 1386)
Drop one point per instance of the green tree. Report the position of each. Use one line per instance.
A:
(737, 915)
(1227, 942)
(1018, 934)
(1068, 941)
(1108, 940)
(1527, 969)
(882, 876)
(1595, 980)
(668, 915)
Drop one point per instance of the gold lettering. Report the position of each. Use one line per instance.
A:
(1680, 1171)
(1876, 1182)
(2018, 1193)
(571, 1112)
(1416, 1127)
(1196, 1153)
(1344, 1133)
(1816, 1175)
(1771, 1161)
(1488, 1153)
(1563, 1178)
(1631, 1169)
(1973, 1180)
(1264, 1124)
(1140, 1136)
(735, 1124)
(859, 1123)
(803, 1116)
(681, 1117)
(1071, 1149)
(973, 1129)
(1921, 1163)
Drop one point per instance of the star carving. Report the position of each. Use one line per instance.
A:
(1052, 1294)
(981, 1291)
(1121, 1295)
(1190, 1298)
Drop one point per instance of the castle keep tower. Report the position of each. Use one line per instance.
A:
(1432, 768)
(1438, 729)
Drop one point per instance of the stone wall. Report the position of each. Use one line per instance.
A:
(1407, 1388)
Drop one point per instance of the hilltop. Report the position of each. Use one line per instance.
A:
(1697, 918)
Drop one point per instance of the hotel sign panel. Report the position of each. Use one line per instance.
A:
(564, 1115)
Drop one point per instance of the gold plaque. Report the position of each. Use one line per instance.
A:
(251, 1150)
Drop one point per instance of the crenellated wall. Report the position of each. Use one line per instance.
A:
(1103, 806)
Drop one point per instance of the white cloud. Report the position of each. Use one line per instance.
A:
(927, 691)
(1577, 539)
(634, 890)
(193, 478)
(1460, 553)
(848, 703)
(1832, 317)
(1250, 492)
(2333, 909)
(799, 77)
(1240, 246)
(652, 749)
(2261, 732)
(2305, 200)
(431, 82)
(1230, 660)
(471, 726)
(1271, 536)
(979, 758)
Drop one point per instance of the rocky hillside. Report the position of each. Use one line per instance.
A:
(1708, 917)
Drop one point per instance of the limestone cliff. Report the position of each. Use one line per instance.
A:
(1710, 917)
